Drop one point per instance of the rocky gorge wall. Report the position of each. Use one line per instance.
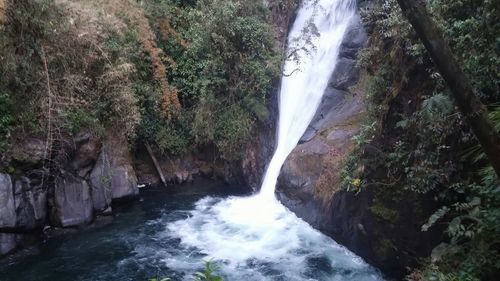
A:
(94, 175)
(380, 224)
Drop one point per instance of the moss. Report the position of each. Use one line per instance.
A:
(384, 213)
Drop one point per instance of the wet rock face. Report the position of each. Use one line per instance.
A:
(7, 206)
(23, 205)
(72, 203)
(100, 183)
(113, 174)
(87, 150)
(8, 243)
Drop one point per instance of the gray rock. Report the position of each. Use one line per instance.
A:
(304, 166)
(30, 204)
(38, 199)
(24, 204)
(346, 74)
(355, 38)
(333, 99)
(114, 172)
(100, 182)
(8, 243)
(86, 152)
(29, 151)
(39, 204)
(72, 203)
(123, 178)
(7, 204)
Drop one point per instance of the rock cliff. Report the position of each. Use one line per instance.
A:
(95, 174)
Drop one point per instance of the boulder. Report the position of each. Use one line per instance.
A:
(8, 243)
(100, 182)
(330, 102)
(355, 38)
(87, 150)
(30, 203)
(29, 151)
(7, 204)
(72, 203)
(346, 74)
(24, 201)
(113, 172)
(38, 199)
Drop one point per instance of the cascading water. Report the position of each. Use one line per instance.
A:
(302, 90)
(257, 238)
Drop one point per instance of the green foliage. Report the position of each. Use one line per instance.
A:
(350, 173)
(77, 120)
(385, 213)
(232, 129)
(420, 140)
(169, 139)
(6, 120)
(435, 217)
(208, 273)
(221, 59)
(29, 24)
(226, 72)
(473, 28)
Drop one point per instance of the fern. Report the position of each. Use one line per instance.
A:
(435, 217)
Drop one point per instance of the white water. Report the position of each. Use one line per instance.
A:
(257, 238)
(302, 91)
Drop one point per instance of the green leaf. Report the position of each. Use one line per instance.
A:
(435, 217)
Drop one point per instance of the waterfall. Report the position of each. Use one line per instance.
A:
(314, 44)
(256, 237)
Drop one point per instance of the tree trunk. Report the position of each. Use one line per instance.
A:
(470, 106)
(156, 164)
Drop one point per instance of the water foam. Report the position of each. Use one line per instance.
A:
(251, 244)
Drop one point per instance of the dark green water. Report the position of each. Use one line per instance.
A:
(127, 248)
(170, 232)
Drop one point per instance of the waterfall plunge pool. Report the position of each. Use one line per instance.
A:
(169, 233)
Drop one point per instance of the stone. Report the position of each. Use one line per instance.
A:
(355, 38)
(40, 204)
(24, 204)
(87, 151)
(29, 151)
(72, 203)
(8, 243)
(346, 74)
(304, 165)
(332, 100)
(39, 194)
(100, 182)
(30, 204)
(114, 172)
(7, 204)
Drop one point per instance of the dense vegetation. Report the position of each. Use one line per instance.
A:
(225, 72)
(177, 74)
(422, 143)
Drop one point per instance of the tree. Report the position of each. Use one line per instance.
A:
(469, 104)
